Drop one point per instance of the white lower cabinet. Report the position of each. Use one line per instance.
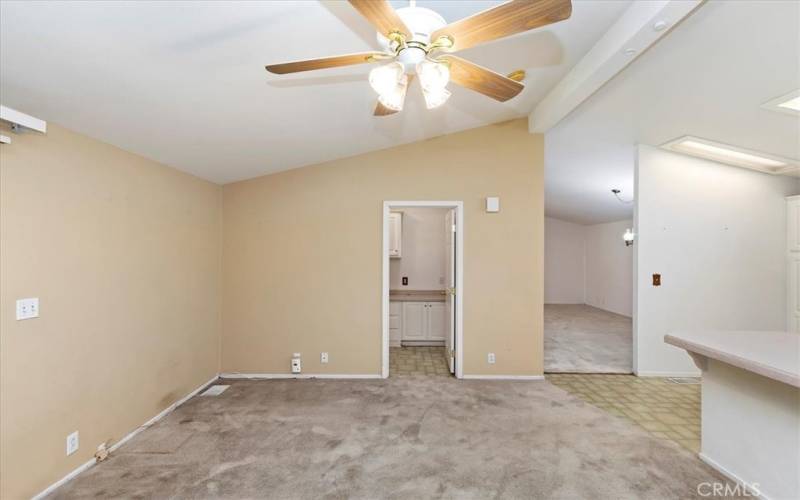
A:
(395, 322)
(423, 322)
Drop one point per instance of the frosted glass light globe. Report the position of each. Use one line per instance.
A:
(433, 75)
(384, 79)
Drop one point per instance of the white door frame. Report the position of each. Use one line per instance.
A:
(459, 206)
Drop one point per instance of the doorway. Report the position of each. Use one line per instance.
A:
(434, 317)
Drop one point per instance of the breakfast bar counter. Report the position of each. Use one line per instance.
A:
(750, 406)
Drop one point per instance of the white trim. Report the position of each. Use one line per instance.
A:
(667, 374)
(300, 375)
(503, 377)
(459, 206)
(733, 477)
(18, 118)
(635, 30)
(122, 441)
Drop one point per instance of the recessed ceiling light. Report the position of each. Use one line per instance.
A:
(787, 103)
(630, 51)
(659, 25)
(732, 155)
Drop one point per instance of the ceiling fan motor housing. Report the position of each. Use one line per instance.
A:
(422, 22)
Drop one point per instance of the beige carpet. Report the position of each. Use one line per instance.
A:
(404, 437)
(583, 339)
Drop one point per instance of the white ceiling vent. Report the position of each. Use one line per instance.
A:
(215, 390)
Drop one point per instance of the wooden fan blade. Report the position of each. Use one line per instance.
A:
(381, 15)
(480, 79)
(326, 62)
(381, 110)
(504, 20)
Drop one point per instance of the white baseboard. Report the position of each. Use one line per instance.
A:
(695, 374)
(733, 477)
(122, 441)
(503, 377)
(300, 375)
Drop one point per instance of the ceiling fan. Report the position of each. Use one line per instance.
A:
(417, 41)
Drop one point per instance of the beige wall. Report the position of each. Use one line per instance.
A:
(124, 255)
(423, 260)
(302, 254)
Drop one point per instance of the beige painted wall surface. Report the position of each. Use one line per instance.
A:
(124, 255)
(302, 254)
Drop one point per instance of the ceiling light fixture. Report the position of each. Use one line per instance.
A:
(435, 97)
(732, 155)
(384, 79)
(394, 97)
(433, 75)
(787, 103)
(628, 237)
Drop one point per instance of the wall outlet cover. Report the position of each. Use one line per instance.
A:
(323, 357)
(27, 308)
(73, 442)
(490, 358)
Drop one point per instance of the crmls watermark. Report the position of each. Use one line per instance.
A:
(728, 490)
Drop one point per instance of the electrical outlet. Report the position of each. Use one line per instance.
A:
(296, 364)
(27, 308)
(73, 442)
(405, 280)
(323, 357)
(490, 358)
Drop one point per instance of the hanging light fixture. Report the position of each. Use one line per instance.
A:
(433, 78)
(433, 75)
(384, 79)
(628, 237)
(435, 98)
(394, 98)
(391, 83)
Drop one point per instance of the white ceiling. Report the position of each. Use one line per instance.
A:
(708, 78)
(184, 83)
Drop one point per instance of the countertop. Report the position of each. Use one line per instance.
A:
(416, 295)
(775, 355)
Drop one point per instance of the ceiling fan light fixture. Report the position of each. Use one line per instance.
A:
(394, 98)
(384, 79)
(435, 97)
(433, 75)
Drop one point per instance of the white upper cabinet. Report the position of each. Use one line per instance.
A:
(395, 234)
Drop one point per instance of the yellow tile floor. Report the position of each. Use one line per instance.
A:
(665, 409)
(422, 360)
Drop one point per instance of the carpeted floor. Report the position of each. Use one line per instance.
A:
(583, 339)
(403, 437)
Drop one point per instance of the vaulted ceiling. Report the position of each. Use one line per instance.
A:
(707, 78)
(184, 83)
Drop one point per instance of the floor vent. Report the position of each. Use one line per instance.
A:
(683, 380)
(215, 390)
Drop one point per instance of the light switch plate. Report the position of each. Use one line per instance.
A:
(27, 308)
(492, 204)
